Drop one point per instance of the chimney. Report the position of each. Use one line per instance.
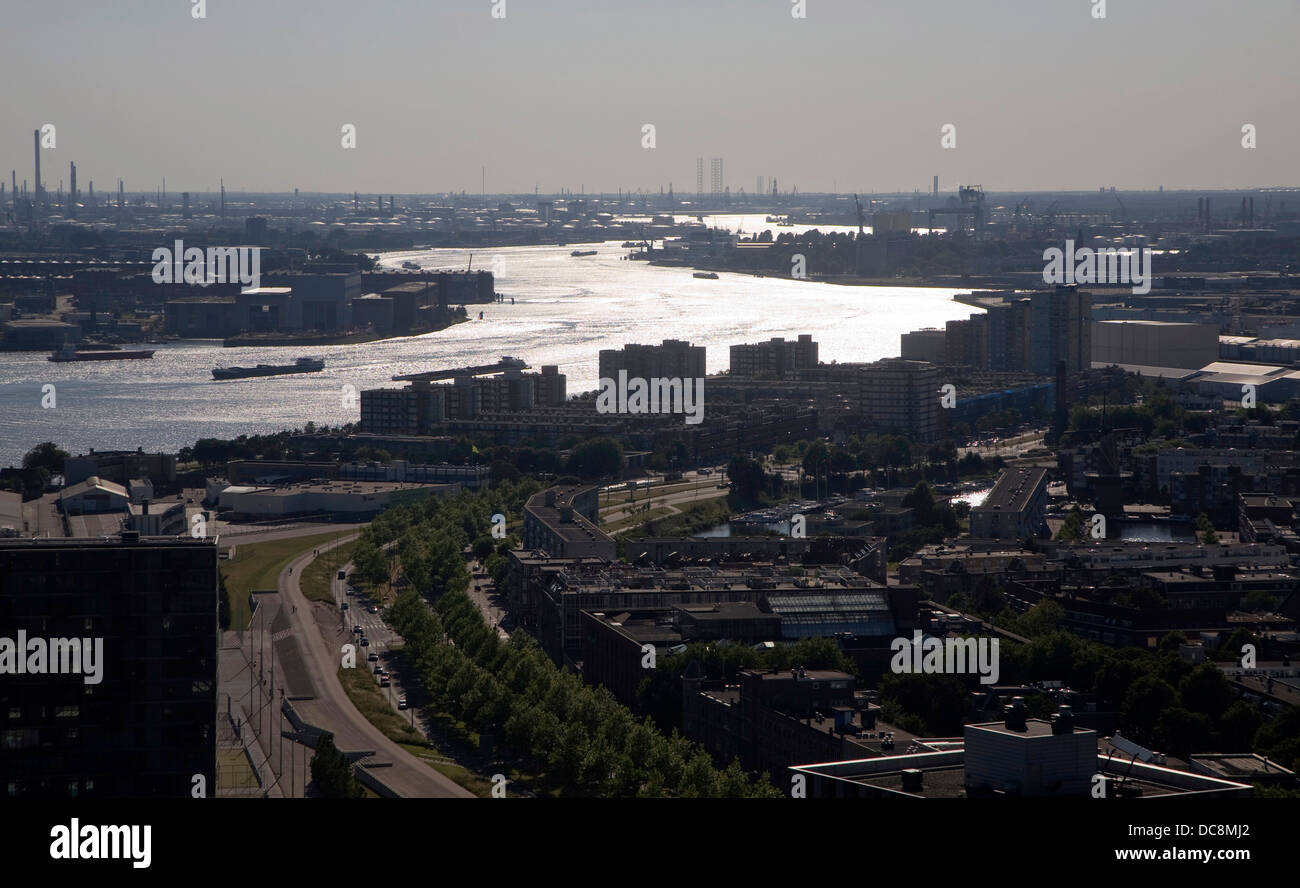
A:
(1014, 713)
(1063, 720)
(36, 145)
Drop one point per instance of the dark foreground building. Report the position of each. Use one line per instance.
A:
(129, 710)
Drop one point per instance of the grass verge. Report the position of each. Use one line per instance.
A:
(372, 702)
(258, 566)
(317, 576)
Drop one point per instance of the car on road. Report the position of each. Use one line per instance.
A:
(401, 704)
(374, 608)
(365, 642)
(373, 657)
(356, 630)
(379, 669)
(343, 606)
(343, 575)
(384, 681)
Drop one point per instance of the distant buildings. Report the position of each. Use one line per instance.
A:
(325, 298)
(562, 522)
(901, 396)
(424, 406)
(1015, 508)
(121, 467)
(145, 726)
(336, 500)
(673, 359)
(1155, 343)
(774, 357)
(1017, 332)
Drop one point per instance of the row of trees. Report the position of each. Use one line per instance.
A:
(583, 739)
(585, 742)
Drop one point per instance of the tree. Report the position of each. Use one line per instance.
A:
(1147, 699)
(1206, 690)
(746, 477)
(331, 773)
(1206, 528)
(596, 458)
(46, 456)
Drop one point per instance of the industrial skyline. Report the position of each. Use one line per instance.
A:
(1039, 98)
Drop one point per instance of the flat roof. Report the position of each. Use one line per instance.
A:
(1034, 727)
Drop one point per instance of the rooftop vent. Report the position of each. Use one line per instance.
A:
(1015, 716)
(1063, 720)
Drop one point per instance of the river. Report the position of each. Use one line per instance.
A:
(566, 310)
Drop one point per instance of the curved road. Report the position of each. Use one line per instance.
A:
(331, 709)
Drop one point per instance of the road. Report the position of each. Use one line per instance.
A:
(312, 623)
(483, 593)
(705, 490)
(1013, 446)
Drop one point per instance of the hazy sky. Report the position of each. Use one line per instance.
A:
(1043, 95)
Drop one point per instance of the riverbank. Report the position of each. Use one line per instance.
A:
(280, 339)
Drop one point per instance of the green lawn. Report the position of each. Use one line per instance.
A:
(316, 576)
(613, 527)
(258, 566)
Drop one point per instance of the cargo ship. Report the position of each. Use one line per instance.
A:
(583, 253)
(69, 352)
(302, 365)
(706, 275)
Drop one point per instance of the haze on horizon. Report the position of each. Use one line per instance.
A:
(851, 98)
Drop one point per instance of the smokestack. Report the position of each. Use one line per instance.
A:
(72, 190)
(36, 146)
